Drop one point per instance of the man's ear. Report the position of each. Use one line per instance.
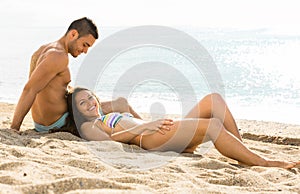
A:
(73, 34)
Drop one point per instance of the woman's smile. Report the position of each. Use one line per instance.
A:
(92, 108)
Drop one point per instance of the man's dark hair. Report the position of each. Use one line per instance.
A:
(84, 26)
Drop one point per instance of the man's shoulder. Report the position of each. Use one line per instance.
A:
(50, 49)
(56, 56)
(53, 49)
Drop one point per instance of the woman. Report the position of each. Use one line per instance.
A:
(210, 119)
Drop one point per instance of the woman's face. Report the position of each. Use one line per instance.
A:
(87, 104)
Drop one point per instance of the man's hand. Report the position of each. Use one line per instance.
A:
(14, 130)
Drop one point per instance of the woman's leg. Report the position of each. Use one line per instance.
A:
(232, 147)
(214, 106)
(189, 133)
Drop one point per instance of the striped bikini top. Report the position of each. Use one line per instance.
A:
(111, 119)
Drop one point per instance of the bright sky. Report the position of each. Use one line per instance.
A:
(280, 14)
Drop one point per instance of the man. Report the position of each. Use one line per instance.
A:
(49, 77)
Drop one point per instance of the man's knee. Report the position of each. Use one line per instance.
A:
(122, 101)
(120, 105)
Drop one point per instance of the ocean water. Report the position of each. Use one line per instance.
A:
(258, 70)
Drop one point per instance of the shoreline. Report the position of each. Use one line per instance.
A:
(62, 163)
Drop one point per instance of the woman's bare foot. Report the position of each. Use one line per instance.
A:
(282, 164)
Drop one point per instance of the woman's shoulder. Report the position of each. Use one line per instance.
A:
(87, 125)
(93, 130)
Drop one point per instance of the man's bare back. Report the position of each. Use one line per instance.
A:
(50, 104)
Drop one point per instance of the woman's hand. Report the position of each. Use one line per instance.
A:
(159, 125)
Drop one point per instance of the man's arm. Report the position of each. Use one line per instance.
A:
(54, 63)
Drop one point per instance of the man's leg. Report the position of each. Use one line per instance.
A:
(119, 105)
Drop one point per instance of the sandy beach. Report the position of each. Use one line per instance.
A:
(62, 163)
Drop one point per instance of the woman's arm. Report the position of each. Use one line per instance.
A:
(97, 131)
(127, 135)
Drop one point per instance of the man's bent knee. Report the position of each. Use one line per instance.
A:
(122, 101)
(120, 105)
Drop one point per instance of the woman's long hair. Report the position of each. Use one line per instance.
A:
(75, 119)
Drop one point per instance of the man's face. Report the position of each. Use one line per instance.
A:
(80, 45)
